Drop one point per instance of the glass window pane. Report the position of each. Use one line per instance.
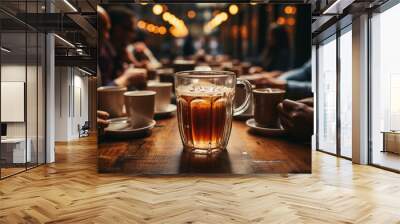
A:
(346, 94)
(15, 150)
(385, 84)
(327, 97)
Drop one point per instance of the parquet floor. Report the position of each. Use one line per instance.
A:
(71, 191)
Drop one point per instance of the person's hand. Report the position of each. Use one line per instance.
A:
(132, 77)
(297, 118)
(102, 117)
(255, 69)
(307, 101)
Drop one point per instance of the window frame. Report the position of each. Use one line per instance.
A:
(335, 36)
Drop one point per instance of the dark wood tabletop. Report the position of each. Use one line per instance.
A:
(161, 152)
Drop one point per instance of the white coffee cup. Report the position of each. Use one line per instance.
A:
(163, 94)
(140, 107)
(111, 100)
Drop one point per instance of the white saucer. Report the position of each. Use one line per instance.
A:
(264, 131)
(170, 109)
(120, 127)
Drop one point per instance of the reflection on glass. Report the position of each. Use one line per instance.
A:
(22, 92)
(385, 84)
(15, 150)
(327, 97)
(346, 94)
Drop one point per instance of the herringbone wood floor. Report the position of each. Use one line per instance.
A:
(71, 191)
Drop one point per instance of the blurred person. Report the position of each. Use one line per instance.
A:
(188, 46)
(297, 117)
(276, 55)
(213, 46)
(104, 25)
(106, 51)
(122, 32)
(296, 82)
(141, 53)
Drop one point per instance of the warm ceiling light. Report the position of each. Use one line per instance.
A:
(253, 3)
(281, 20)
(166, 16)
(70, 5)
(141, 24)
(144, 3)
(233, 9)
(224, 16)
(290, 10)
(157, 9)
(150, 28)
(215, 22)
(191, 14)
(162, 30)
(5, 50)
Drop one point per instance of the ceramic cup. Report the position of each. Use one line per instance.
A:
(183, 65)
(111, 100)
(266, 101)
(163, 94)
(140, 107)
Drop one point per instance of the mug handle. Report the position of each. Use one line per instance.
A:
(242, 108)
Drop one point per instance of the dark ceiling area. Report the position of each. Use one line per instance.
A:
(74, 21)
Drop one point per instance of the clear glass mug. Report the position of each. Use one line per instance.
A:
(205, 108)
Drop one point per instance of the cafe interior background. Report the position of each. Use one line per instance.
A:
(48, 164)
(34, 50)
(270, 37)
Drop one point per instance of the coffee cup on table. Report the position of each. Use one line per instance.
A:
(163, 94)
(140, 107)
(245, 67)
(183, 65)
(266, 101)
(111, 100)
(151, 74)
(165, 74)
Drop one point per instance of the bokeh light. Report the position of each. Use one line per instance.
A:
(157, 9)
(233, 9)
(281, 20)
(191, 14)
(290, 10)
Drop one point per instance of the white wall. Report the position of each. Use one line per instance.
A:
(33, 127)
(71, 102)
(16, 72)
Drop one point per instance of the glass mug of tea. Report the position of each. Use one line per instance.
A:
(205, 108)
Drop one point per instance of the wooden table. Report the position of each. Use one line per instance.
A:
(162, 153)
